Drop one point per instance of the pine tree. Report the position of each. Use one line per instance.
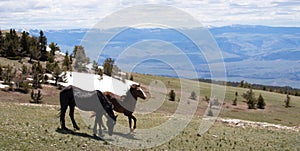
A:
(56, 73)
(172, 95)
(25, 43)
(261, 102)
(36, 97)
(1, 73)
(8, 74)
(1, 43)
(11, 45)
(37, 73)
(108, 66)
(80, 59)
(53, 46)
(131, 77)
(66, 62)
(250, 97)
(33, 49)
(235, 99)
(242, 83)
(43, 47)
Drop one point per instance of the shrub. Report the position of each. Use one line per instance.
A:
(24, 87)
(131, 77)
(234, 102)
(250, 97)
(193, 96)
(210, 113)
(206, 99)
(36, 97)
(287, 101)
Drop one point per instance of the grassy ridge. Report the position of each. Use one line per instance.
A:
(275, 111)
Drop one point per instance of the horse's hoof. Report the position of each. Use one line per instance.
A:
(100, 136)
(65, 129)
(132, 131)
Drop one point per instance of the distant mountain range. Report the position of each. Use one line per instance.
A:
(257, 54)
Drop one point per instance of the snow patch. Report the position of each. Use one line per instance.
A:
(90, 82)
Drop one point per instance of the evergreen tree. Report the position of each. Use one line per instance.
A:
(8, 74)
(11, 45)
(80, 59)
(49, 67)
(242, 83)
(172, 95)
(34, 49)
(1, 73)
(37, 73)
(56, 73)
(66, 62)
(261, 102)
(235, 99)
(36, 97)
(131, 77)
(25, 43)
(43, 47)
(24, 70)
(1, 42)
(108, 66)
(53, 46)
(250, 97)
(287, 101)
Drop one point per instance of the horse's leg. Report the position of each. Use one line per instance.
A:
(134, 121)
(99, 122)
(129, 120)
(63, 110)
(71, 114)
(95, 126)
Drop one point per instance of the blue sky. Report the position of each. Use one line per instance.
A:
(67, 14)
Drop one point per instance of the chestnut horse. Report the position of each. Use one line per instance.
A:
(95, 101)
(126, 104)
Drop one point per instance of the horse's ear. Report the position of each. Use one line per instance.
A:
(134, 86)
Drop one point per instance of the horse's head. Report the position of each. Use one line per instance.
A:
(137, 91)
(111, 119)
(111, 122)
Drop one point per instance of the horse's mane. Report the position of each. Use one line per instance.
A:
(107, 105)
(129, 101)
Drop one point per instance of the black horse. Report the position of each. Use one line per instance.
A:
(88, 101)
(126, 104)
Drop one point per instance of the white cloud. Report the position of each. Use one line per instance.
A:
(53, 14)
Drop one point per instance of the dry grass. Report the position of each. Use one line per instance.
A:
(35, 128)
